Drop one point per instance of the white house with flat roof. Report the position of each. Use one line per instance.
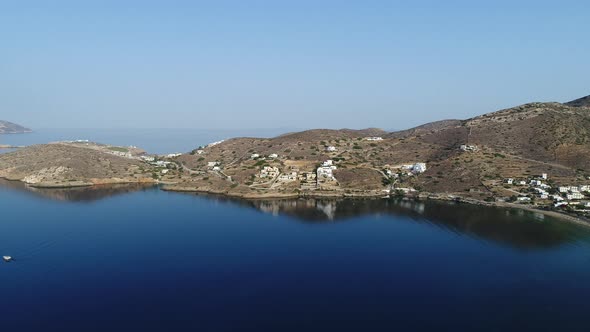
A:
(419, 168)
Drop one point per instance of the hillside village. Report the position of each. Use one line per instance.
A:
(490, 158)
(530, 155)
(274, 174)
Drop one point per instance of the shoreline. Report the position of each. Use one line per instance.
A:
(5, 146)
(79, 184)
(171, 187)
(374, 195)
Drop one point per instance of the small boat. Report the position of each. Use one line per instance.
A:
(7, 258)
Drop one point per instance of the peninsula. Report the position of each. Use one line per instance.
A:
(534, 155)
(12, 128)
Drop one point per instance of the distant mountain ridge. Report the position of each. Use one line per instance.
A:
(12, 128)
(580, 102)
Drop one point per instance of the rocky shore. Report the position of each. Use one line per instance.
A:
(372, 194)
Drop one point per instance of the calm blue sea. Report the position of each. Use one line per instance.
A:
(160, 141)
(140, 259)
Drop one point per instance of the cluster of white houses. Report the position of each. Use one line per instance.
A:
(269, 172)
(574, 192)
(288, 177)
(324, 173)
(563, 195)
(154, 162)
(121, 153)
(270, 156)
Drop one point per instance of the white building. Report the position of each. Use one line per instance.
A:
(325, 173)
(510, 181)
(174, 155)
(557, 198)
(331, 148)
(269, 172)
(255, 156)
(215, 143)
(466, 147)
(164, 171)
(375, 138)
(327, 163)
(405, 190)
(419, 168)
(574, 196)
(540, 191)
(565, 189)
(212, 164)
(523, 199)
(544, 176)
(273, 156)
(288, 176)
(308, 176)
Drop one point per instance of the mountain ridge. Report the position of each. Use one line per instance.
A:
(12, 128)
(580, 102)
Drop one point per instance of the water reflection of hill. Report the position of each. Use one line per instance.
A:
(81, 194)
(515, 228)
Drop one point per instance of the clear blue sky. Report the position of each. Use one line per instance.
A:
(297, 64)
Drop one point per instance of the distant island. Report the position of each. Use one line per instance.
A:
(12, 128)
(532, 156)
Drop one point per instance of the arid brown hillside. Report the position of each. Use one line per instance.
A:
(425, 128)
(66, 165)
(518, 142)
(548, 132)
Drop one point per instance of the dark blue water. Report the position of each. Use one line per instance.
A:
(140, 259)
